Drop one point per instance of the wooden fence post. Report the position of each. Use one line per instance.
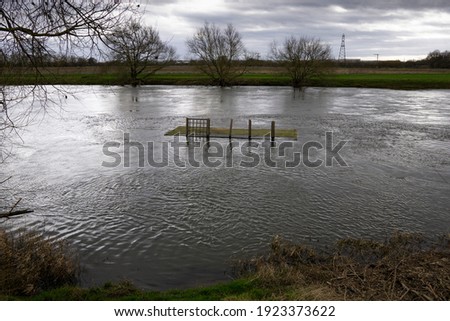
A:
(187, 127)
(272, 132)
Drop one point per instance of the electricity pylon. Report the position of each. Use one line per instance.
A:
(342, 54)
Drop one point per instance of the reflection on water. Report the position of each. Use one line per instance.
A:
(175, 227)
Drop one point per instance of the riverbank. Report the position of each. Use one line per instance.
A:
(404, 79)
(404, 267)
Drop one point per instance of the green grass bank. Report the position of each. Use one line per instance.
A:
(372, 79)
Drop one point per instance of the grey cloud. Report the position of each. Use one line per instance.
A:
(387, 27)
(395, 4)
(347, 4)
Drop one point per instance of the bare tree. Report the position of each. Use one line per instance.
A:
(222, 52)
(31, 31)
(25, 25)
(141, 48)
(303, 58)
(34, 31)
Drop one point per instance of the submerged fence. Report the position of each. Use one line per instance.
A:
(201, 127)
(198, 127)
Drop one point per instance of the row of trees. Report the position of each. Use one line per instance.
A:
(223, 56)
(221, 52)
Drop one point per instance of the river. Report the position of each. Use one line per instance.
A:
(170, 226)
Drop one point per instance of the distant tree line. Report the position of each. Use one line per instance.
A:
(438, 59)
(20, 60)
(435, 60)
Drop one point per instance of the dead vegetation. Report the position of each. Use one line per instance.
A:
(404, 267)
(30, 262)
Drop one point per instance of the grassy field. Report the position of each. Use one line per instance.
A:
(256, 76)
(126, 291)
(365, 80)
(243, 289)
(392, 81)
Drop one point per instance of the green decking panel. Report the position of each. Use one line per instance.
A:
(239, 132)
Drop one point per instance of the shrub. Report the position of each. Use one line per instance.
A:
(30, 262)
(406, 266)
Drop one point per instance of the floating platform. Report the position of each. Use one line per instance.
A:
(238, 133)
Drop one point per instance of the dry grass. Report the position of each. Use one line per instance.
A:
(404, 267)
(29, 263)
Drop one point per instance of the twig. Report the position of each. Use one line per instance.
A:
(391, 291)
(430, 288)
(403, 295)
(15, 213)
(14, 206)
(422, 296)
(4, 181)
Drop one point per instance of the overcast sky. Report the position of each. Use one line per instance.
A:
(395, 29)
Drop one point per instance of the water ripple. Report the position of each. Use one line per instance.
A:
(171, 226)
